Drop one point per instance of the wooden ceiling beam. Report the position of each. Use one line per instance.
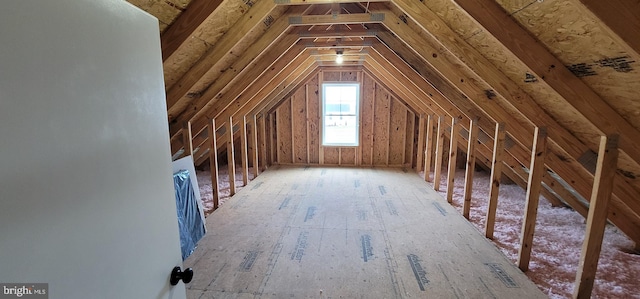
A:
(228, 106)
(345, 64)
(547, 67)
(346, 52)
(185, 25)
(356, 18)
(275, 99)
(337, 34)
(293, 77)
(445, 105)
(439, 63)
(621, 17)
(275, 42)
(439, 98)
(347, 59)
(271, 58)
(303, 2)
(397, 85)
(258, 91)
(289, 64)
(339, 44)
(558, 161)
(418, 99)
(251, 20)
(621, 215)
(236, 84)
(485, 149)
(291, 85)
(564, 143)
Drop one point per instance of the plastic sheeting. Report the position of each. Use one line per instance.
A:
(189, 221)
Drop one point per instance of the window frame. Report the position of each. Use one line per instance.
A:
(324, 114)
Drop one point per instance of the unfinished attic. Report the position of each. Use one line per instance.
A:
(379, 149)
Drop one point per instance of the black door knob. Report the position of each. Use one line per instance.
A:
(177, 274)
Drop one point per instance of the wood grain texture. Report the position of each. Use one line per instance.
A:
(231, 161)
(367, 119)
(245, 24)
(313, 109)
(187, 22)
(422, 128)
(472, 140)
(244, 149)
(597, 218)
(255, 146)
(496, 174)
(283, 131)
(299, 123)
(543, 63)
(428, 154)
(213, 164)
(536, 171)
(397, 132)
(453, 152)
(563, 167)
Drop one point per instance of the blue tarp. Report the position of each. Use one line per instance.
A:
(189, 220)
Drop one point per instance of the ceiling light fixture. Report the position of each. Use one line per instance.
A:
(339, 57)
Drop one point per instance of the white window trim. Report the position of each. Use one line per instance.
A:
(357, 114)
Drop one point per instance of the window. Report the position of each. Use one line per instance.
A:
(340, 111)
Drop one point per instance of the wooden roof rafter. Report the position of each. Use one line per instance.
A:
(621, 17)
(249, 21)
(275, 35)
(567, 168)
(550, 69)
(620, 208)
(291, 67)
(569, 145)
(479, 76)
(185, 25)
(247, 78)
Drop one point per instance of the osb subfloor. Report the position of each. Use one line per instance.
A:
(347, 233)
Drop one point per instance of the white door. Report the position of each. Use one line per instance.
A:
(86, 197)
